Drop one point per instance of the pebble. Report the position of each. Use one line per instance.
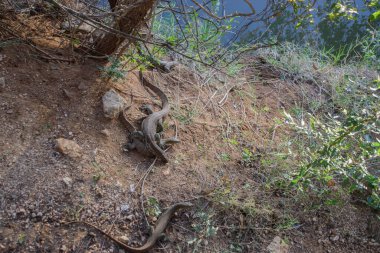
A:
(124, 239)
(63, 248)
(10, 111)
(68, 181)
(278, 246)
(82, 86)
(68, 147)
(166, 172)
(130, 217)
(374, 244)
(21, 211)
(106, 132)
(124, 207)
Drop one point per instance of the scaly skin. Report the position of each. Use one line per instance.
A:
(149, 126)
(156, 234)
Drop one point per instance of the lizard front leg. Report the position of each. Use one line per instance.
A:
(148, 109)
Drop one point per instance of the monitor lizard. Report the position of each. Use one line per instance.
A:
(144, 141)
(158, 231)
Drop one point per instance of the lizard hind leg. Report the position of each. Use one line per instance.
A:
(134, 140)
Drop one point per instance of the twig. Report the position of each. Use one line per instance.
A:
(142, 188)
(224, 99)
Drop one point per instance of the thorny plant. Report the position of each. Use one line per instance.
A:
(204, 229)
(338, 145)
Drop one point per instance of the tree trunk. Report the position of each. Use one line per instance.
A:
(133, 14)
(112, 4)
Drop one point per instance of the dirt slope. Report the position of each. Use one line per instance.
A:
(40, 188)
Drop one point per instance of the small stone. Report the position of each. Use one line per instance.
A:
(314, 219)
(154, 219)
(106, 132)
(166, 172)
(82, 86)
(113, 104)
(124, 208)
(10, 111)
(130, 217)
(63, 249)
(53, 67)
(39, 215)
(335, 238)
(278, 246)
(21, 211)
(124, 239)
(68, 147)
(69, 94)
(376, 244)
(68, 181)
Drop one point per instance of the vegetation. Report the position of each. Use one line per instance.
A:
(337, 143)
(330, 152)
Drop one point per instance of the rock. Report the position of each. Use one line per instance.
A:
(10, 111)
(68, 181)
(21, 211)
(82, 86)
(54, 67)
(166, 172)
(2, 84)
(69, 94)
(130, 217)
(124, 208)
(278, 246)
(68, 147)
(63, 249)
(113, 104)
(124, 239)
(106, 132)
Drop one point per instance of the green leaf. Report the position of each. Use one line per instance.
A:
(374, 16)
